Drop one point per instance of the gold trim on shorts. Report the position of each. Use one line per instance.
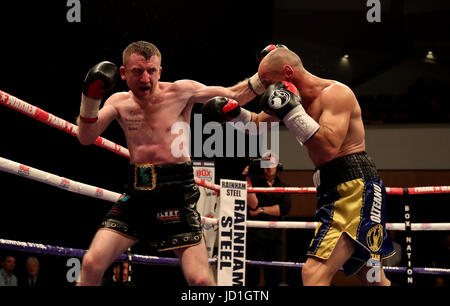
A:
(145, 165)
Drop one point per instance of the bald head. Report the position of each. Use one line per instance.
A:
(278, 65)
(276, 59)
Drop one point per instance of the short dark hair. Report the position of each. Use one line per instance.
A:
(4, 256)
(143, 48)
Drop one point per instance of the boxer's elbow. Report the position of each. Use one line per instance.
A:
(329, 153)
(327, 143)
(323, 150)
(252, 200)
(330, 148)
(85, 141)
(85, 138)
(87, 133)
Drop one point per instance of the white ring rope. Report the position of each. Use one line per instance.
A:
(12, 167)
(15, 168)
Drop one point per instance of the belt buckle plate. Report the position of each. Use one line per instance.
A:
(142, 175)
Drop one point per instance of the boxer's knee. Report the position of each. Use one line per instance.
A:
(200, 279)
(308, 272)
(367, 277)
(316, 273)
(92, 265)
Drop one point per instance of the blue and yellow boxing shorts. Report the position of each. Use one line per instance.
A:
(351, 199)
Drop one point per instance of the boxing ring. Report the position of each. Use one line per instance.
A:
(67, 184)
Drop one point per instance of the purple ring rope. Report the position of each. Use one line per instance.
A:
(32, 247)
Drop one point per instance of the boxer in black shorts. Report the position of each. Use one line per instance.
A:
(158, 207)
(160, 202)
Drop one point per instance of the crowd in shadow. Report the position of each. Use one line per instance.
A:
(424, 102)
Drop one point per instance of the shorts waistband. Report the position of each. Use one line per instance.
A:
(344, 169)
(153, 176)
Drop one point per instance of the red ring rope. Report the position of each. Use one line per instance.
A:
(61, 124)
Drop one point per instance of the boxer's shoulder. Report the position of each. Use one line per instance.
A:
(336, 93)
(336, 88)
(118, 98)
(186, 84)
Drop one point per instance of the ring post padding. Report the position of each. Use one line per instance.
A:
(232, 232)
(207, 203)
(408, 240)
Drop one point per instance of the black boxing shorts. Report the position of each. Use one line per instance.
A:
(159, 207)
(351, 200)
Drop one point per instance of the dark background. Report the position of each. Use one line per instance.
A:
(44, 59)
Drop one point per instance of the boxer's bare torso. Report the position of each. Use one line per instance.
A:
(149, 110)
(147, 113)
(147, 124)
(334, 106)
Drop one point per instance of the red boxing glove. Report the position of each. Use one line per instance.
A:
(254, 82)
(221, 109)
(101, 78)
(268, 49)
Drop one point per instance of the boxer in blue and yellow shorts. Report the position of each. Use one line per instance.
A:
(352, 201)
(324, 116)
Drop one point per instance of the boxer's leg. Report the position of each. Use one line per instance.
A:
(320, 272)
(195, 266)
(106, 246)
(363, 279)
